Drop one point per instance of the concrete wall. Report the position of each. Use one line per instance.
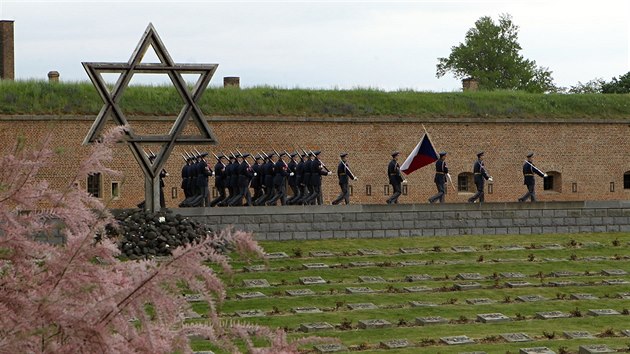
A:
(367, 221)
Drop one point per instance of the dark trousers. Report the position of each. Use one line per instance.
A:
(242, 193)
(314, 195)
(205, 194)
(258, 192)
(397, 192)
(220, 198)
(479, 195)
(344, 195)
(441, 194)
(531, 194)
(267, 196)
(162, 201)
(296, 193)
(280, 193)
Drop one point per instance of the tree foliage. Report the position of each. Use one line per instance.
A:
(490, 54)
(79, 297)
(621, 85)
(592, 86)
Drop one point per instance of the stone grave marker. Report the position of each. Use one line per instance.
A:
(614, 272)
(559, 283)
(362, 264)
(255, 268)
(625, 296)
(550, 315)
(369, 252)
(454, 261)
(536, 350)
(431, 320)
(577, 334)
(418, 277)
(370, 279)
(626, 332)
(321, 254)
(315, 266)
(492, 318)
(603, 312)
(416, 289)
(276, 255)
(410, 250)
(615, 282)
(591, 244)
(455, 340)
(517, 284)
(512, 248)
(250, 295)
(256, 283)
(395, 344)
(459, 249)
(552, 259)
(595, 258)
(467, 285)
(312, 280)
(194, 297)
(330, 348)
(422, 304)
(306, 310)
(469, 276)
(250, 313)
(480, 301)
(564, 273)
(359, 290)
(552, 246)
(583, 296)
(595, 348)
(411, 263)
(299, 292)
(316, 326)
(362, 306)
(531, 298)
(516, 337)
(372, 324)
(512, 275)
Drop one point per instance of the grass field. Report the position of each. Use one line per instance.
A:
(39, 97)
(584, 258)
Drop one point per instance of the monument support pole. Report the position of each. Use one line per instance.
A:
(152, 194)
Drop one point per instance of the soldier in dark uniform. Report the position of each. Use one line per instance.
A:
(306, 177)
(256, 183)
(192, 176)
(345, 175)
(202, 179)
(528, 175)
(268, 170)
(317, 171)
(299, 177)
(293, 179)
(480, 176)
(245, 175)
(441, 175)
(229, 170)
(163, 174)
(219, 179)
(395, 178)
(280, 174)
(185, 170)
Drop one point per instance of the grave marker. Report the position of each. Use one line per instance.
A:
(512, 275)
(412, 263)
(577, 334)
(276, 255)
(306, 310)
(603, 312)
(417, 289)
(316, 326)
(531, 298)
(615, 282)
(256, 283)
(410, 250)
(299, 292)
(595, 348)
(312, 280)
(584, 296)
(369, 252)
(362, 306)
(422, 304)
(469, 276)
(372, 324)
(480, 301)
(359, 290)
(456, 340)
(460, 249)
(370, 279)
(330, 348)
(418, 277)
(536, 350)
(315, 266)
(250, 295)
(467, 285)
(431, 320)
(516, 337)
(492, 318)
(250, 313)
(255, 268)
(321, 254)
(550, 315)
(362, 264)
(517, 284)
(395, 344)
(194, 297)
(614, 272)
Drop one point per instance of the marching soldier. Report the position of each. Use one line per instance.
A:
(256, 182)
(395, 178)
(268, 172)
(293, 179)
(344, 174)
(299, 174)
(229, 171)
(202, 179)
(306, 177)
(185, 171)
(163, 174)
(280, 174)
(480, 176)
(245, 175)
(219, 179)
(317, 171)
(528, 175)
(441, 175)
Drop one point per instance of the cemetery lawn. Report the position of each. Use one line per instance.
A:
(456, 278)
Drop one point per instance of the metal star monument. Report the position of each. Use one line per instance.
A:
(190, 110)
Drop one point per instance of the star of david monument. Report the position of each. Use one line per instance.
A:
(190, 112)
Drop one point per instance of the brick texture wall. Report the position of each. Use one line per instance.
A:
(587, 157)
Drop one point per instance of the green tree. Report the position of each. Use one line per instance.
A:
(621, 85)
(490, 54)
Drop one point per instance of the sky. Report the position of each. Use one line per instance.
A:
(387, 45)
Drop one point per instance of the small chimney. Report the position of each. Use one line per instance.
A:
(231, 81)
(53, 76)
(470, 84)
(7, 59)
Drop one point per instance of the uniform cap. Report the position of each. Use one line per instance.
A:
(203, 154)
(283, 154)
(317, 152)
(247, 154)
(442, 153)
(293, 154)
(220, 156)
(530, 154)
(232, 156)
(271, 154)
(343, 154)
(395, 153)
(480, 153)
(258, 157)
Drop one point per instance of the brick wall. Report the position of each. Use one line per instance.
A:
(586, 155)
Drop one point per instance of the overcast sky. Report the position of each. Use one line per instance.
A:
(317, 44)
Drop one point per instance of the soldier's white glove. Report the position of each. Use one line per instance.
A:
(544, 175)
(255, 174)
(491, 179)
(404, 181)
(355, 178)
(329, 173)
(291, 174)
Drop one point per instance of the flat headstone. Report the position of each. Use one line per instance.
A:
(250, 295)
(512, 248)
(276, 255)
(603, 312)
(369, 252)
(516, 337)
(395, 344)
(463, 249)
(306, 310)
(431, 320)
(362, 306)
(256, 283)
(553, 259)
(549, 315)
(455, 340)
(512, 275)
(480, 301)
(577, 334)
(492, 317)
(626, 332)
(563, 283)
(312, 280)
(359, 290)
(194, 297)
(452, 261)
(595, 348)
(552, 246)
(316, 326)
(563, 273)
(418, 277)
(625, 296)
(469, 276)
(531, 298)
(315, 266)
(416, 289)
(615, 282)
(250, 313)
(370, 279)
(321, 254)
(377, 323)
(614, 272)
(517, 284)
(299, 292)
(411, 263)
(255, 268)
(422, 304)
(595, 258)
(410, 250)
(591, 244)
(362, 264)
(467, 285)
(330, 348)
(583, 296)
(536, 350)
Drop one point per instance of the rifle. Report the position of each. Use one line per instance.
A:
(184, 157)
(320, 161)
(448, 176)
(536, 168)
(347, 168)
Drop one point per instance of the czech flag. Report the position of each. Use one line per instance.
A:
(424, 154)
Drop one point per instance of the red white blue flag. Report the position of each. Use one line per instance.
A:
(424, 154)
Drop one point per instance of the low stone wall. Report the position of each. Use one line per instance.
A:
(410, 220)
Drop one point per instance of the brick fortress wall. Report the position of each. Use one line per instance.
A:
(588, 157)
